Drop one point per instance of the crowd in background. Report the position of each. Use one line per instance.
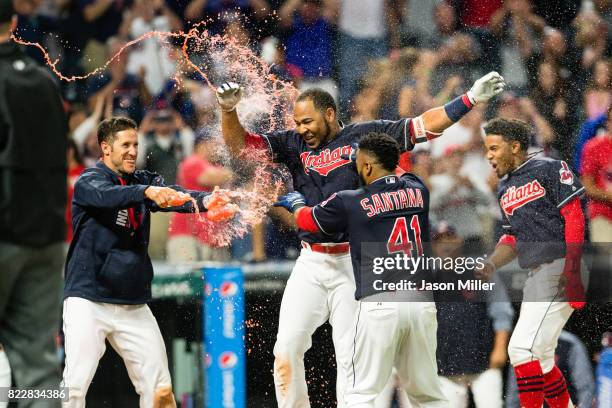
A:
(380, 59)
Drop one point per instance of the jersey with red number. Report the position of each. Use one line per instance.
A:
(531, 197)
(385, 218)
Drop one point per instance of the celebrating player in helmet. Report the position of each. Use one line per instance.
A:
(544, 227)
(321, 285)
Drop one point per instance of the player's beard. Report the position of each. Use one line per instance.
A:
(325, 138)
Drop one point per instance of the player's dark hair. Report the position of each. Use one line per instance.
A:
(510, 130)
(320, 99)
(383, 147)
(108, 128)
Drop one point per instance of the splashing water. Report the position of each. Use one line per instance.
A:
(265, 106)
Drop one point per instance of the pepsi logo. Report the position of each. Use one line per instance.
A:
(228, 360)
(228, 289)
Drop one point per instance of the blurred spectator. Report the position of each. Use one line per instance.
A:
(418, 25)
(34, 26)
(524, 109)
(152, 55)
(551, 100)
(163, 141)
(190, 238)
(572, 359)
(102, 21)
(33, 131)
(398, 93)
(591, 36)
(367, 30)
(517, 27)
(309, 40)
(598, 95)
(216, 11)
(130, 94)
(596, 171)
(83, 126)
(588, 130)
(473, 330)
(477, 13)
(75, 168)
(273, 53)
(456, 199)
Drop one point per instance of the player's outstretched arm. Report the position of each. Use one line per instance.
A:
(228, 96)
(295, 203)
(504, 252)
(434, 121)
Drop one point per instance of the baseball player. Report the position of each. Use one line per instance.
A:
(540, 203)
(321, 284)
(388, 331)
(109, 272)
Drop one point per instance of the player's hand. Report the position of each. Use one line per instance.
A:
(228, 96)
(218, 198)
(498, 357)
(486, 87)
(164, 196)
(222, 213)
(291, 201)
(486, 272)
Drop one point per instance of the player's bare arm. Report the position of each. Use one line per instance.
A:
(228, 96)
(504, 253)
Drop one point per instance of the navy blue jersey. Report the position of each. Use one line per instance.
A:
(389, 216)
(318, 173)
(530, 198)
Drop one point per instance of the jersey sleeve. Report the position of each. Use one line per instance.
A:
(279, 144)
(565, 184)
(330, 215)
(400, 130)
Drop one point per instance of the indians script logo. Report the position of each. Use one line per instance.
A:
(228, 360)
(516, 197)
(326, 161)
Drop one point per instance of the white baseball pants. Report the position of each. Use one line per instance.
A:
(133, 332)
(321, 287)
(487, 389)
(400, 335)
(543, 314)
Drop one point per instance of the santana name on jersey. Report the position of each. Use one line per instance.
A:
(392, 200)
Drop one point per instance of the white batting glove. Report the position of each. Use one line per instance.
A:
(228, 96)
(486, 87)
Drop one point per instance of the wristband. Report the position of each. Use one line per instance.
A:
(458, 107)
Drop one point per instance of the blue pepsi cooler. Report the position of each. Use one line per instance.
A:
(225, 358)
(604, 374)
